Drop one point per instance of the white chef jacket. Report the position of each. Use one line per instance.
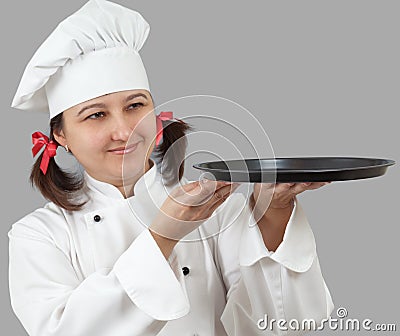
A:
(99, 272)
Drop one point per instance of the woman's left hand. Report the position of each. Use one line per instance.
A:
(280, 195)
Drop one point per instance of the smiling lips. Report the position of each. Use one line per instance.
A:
(124, 150)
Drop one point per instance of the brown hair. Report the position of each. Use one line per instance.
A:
(61, 187)
(171, 151)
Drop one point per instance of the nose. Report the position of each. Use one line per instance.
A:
(121, 129)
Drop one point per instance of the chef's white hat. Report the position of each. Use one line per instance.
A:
(91, 53)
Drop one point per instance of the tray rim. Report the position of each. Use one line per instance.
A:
(384, 163)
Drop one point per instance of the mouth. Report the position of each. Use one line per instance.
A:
(124, 150)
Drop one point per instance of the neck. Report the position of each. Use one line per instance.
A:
(127, 188)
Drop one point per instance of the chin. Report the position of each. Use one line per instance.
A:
(134, 162)
(131, 169)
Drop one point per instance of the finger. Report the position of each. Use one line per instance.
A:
(223, 193)
(317, 185)
(209, 187)
(284, 186)
(203, 192)
(279, 189)
(220, 201)
(206, 186)
(300, 187)
(264, 185)
(189, 186)
(194, 184)
(187, 194)
(186, 190)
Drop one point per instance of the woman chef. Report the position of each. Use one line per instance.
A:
(106, 256)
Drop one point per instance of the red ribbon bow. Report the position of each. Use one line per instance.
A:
(163, 116)
(39, 140)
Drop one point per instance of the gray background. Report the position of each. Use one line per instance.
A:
(321, 76)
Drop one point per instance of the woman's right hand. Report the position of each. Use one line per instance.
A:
(186, 208)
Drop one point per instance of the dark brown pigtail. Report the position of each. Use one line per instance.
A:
(57, 185)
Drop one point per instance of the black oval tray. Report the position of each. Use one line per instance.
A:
(297, 169)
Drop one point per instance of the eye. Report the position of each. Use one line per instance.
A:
(96, 115)
(135, 106)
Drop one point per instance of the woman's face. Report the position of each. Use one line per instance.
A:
(111, 134)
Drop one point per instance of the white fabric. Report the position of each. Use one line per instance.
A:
(92, 52)
(73, 276)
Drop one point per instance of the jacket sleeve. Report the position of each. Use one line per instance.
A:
(49, 298)
(263, 285)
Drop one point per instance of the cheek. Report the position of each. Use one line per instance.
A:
(87, 141)
(146, 127)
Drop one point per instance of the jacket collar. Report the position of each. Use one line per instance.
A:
(297, 251)
(144, 183)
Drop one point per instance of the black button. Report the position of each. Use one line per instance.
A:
(185, 270)
(97, 218)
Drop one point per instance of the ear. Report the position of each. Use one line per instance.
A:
(60, 137)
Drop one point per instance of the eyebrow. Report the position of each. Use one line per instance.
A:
(101, 105)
